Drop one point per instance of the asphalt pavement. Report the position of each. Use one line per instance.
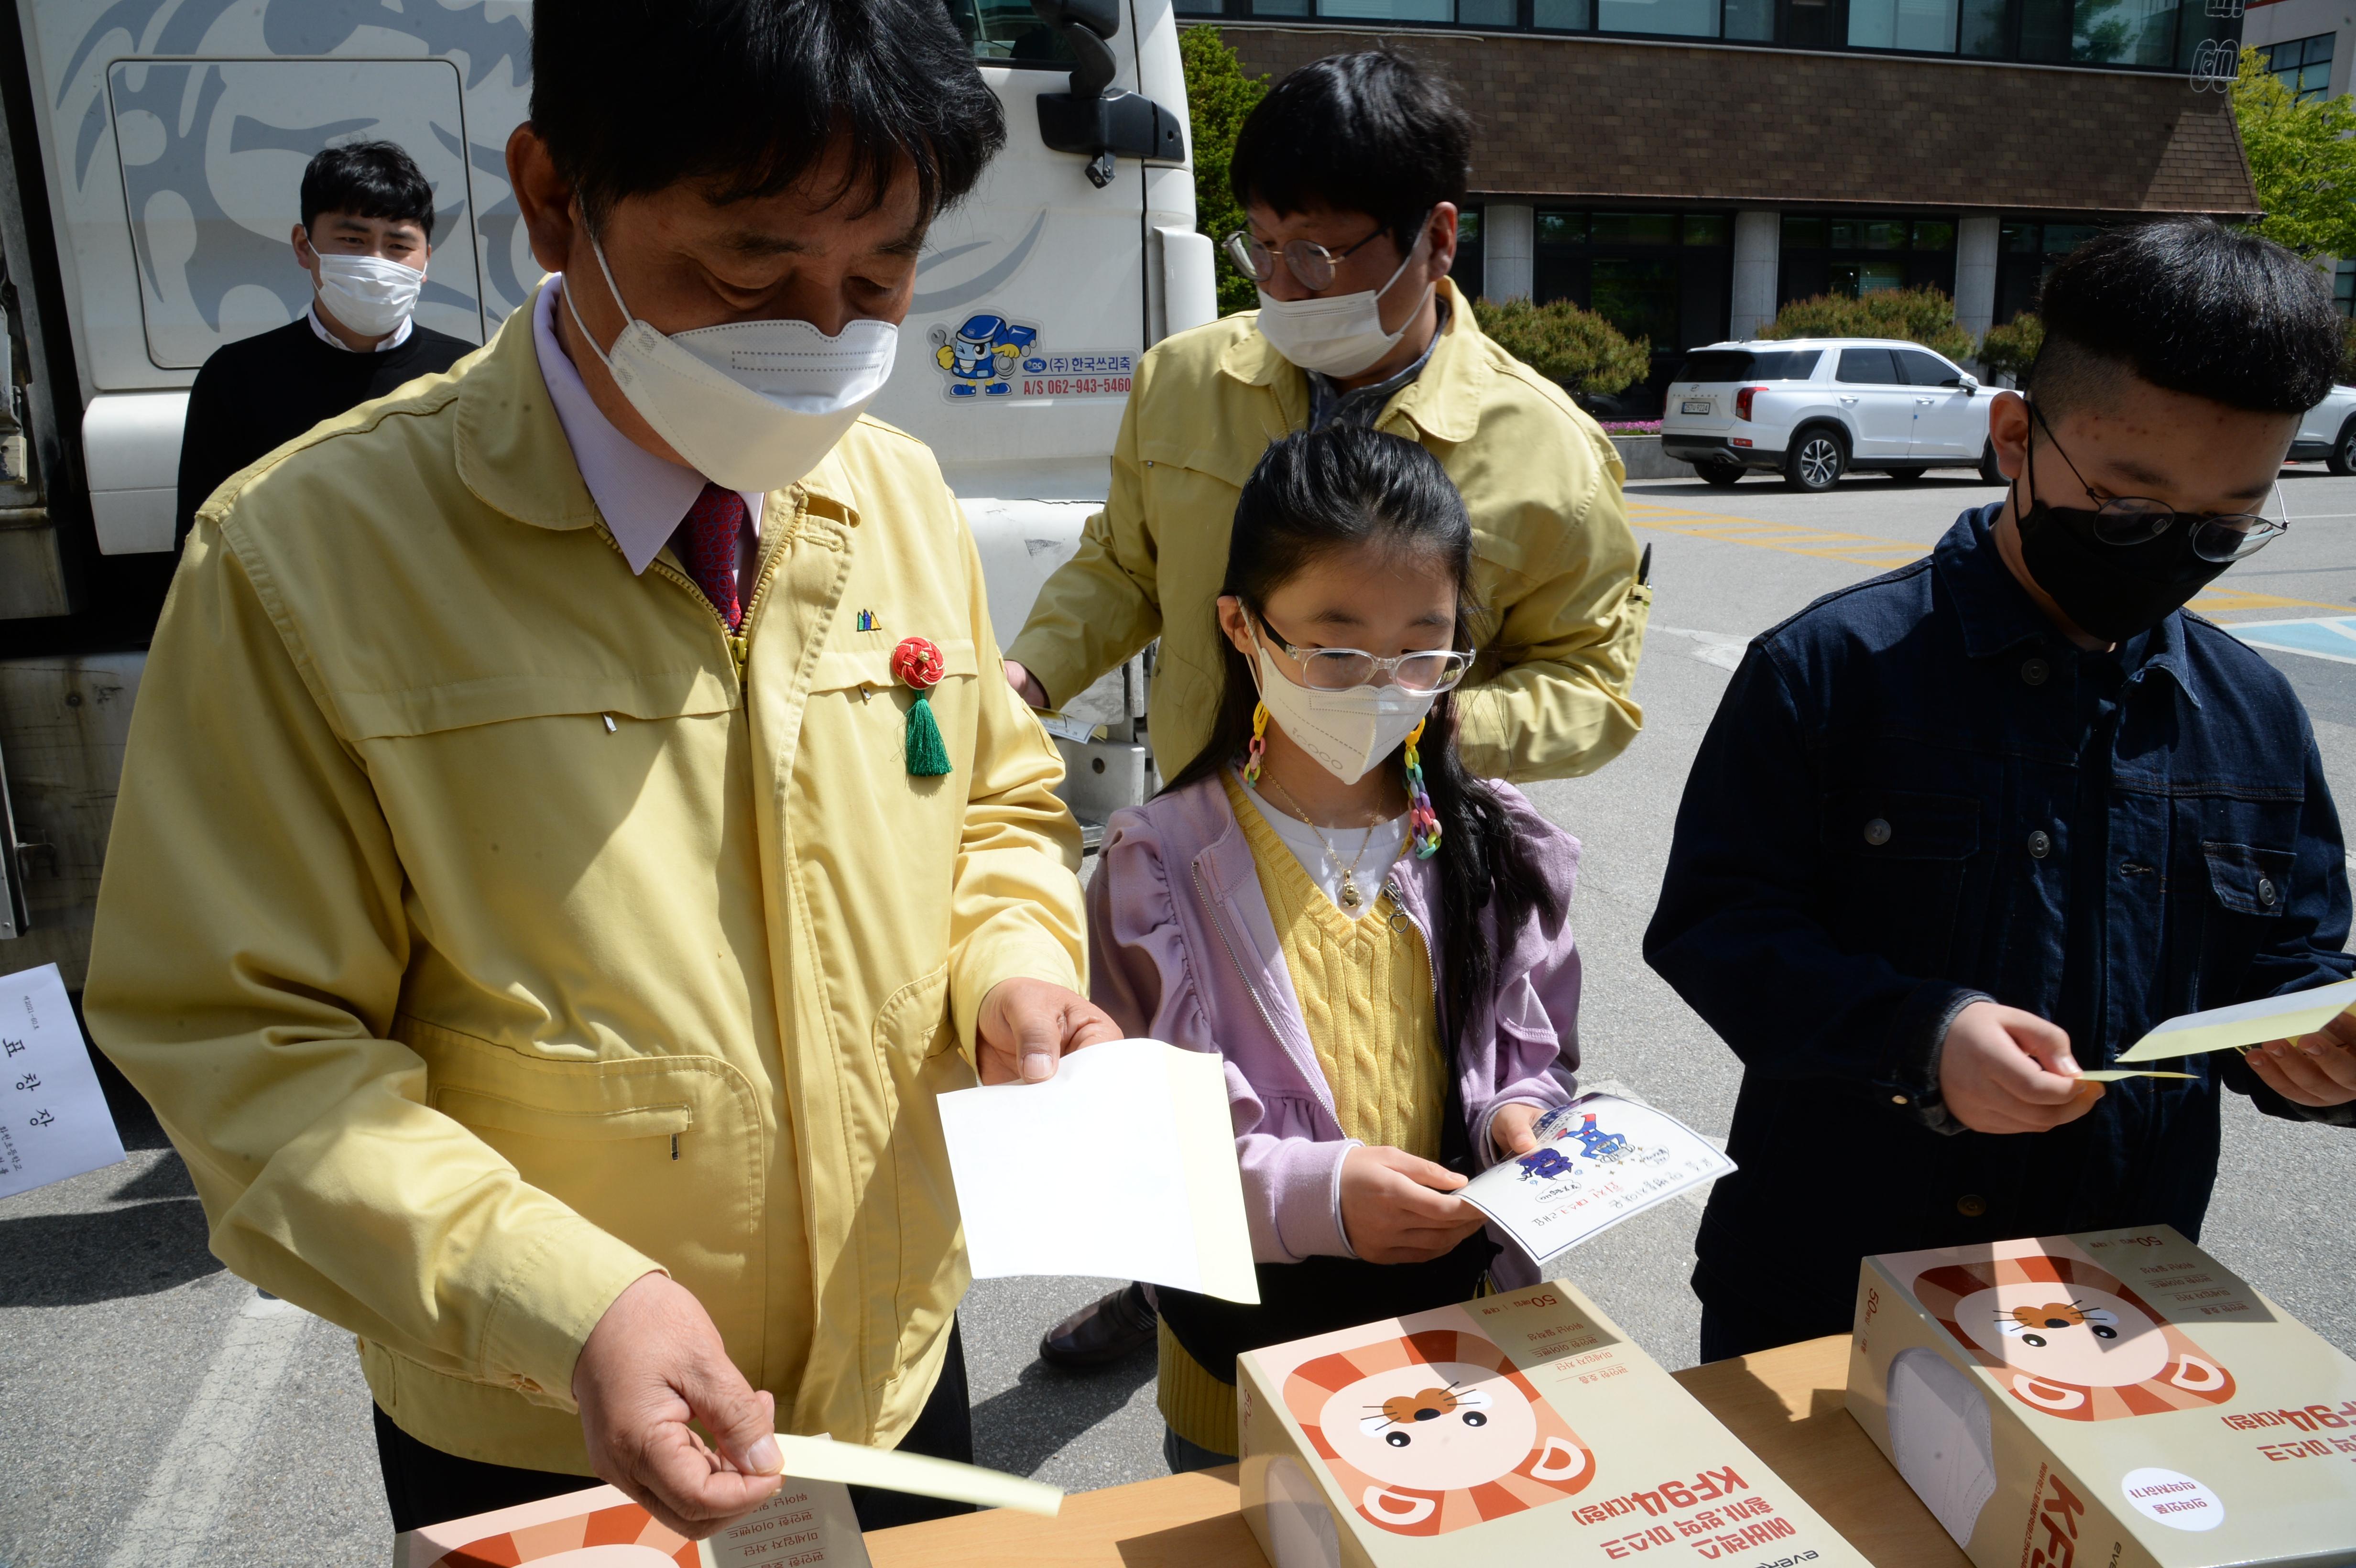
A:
(158, 1412)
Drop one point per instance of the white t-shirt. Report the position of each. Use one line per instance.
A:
(1319, 861)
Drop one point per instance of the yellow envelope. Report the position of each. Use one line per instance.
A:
(2244, 1024)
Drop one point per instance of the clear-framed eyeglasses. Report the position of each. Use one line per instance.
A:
(1338, 669)
(2138, 519)
(1311, 263)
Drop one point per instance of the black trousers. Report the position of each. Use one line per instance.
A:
(426, 1486)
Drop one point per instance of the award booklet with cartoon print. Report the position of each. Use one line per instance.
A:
(2118, 1399)
(1599, 1159)
(1515, 1428)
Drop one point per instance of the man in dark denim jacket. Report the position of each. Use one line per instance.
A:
(1957, 829)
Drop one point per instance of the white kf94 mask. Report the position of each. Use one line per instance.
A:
(1349, 732)
(1338, 335)
(371, 294)
(750, 405)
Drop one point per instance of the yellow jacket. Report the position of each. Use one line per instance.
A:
(1553, 560)
(484, 942)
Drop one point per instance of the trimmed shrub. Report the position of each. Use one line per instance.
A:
(2009, 351)
(1575, 348)
(1218, 96)
(1922, 316)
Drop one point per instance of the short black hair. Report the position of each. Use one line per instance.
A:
(1371, 133)
(367, 179)
(745, 97)
(2191, 305)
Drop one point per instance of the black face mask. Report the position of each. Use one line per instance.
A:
(2112, 591)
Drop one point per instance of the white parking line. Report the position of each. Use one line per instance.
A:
(176, 1521)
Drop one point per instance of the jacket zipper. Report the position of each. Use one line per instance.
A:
(739, 644)
(1211, 911)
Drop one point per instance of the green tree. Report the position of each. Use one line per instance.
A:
(2010, 349)
(1922, 316)
(2302, 161)
(1574, 347)
(1218, 97)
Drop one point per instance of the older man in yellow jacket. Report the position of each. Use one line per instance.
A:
(1350, 171)
(532, 909)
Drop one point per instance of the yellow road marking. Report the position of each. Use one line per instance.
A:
(1882, 555)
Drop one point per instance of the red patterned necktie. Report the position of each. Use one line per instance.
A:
(714, 529)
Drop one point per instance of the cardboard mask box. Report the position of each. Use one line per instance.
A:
(810, 1524)
(1518, 1428)
(2117, 1399)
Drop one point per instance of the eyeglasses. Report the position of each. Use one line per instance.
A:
(1310, 262)
(1338, 669)
(2137, 519)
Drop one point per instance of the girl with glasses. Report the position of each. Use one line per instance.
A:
(1375, 941)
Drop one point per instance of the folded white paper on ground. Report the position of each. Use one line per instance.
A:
(53, 1118)
(1123, 1165)
(2245, 1024)
(1600, 1160)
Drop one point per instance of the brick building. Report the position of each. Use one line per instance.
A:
(1746, 153)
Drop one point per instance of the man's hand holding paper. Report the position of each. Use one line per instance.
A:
(2006, 1071)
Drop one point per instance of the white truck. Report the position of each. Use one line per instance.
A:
(151, 151)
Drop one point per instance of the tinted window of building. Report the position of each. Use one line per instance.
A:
(2026, 252)
(1869, 366)
(1926, 26)
(1467, 269)
(1682, 18)
(2343, 287)
(1568, 16)
(2123, 32)
(2302, 65)
(1854, 256)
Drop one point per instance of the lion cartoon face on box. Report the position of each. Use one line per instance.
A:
(2067, 1338)
(1435, 1431)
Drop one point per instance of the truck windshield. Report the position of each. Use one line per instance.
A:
(1742, 365)
(1007, 32)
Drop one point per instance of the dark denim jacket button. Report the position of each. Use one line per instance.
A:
(1877, 832)
(2040, 845)
(2266, 891)
(2034, 671)
(1971, 1205)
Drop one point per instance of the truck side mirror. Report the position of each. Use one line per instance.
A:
(1088, 120)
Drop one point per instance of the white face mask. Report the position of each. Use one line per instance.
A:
(1338, 336)
(750, 405)
(1349, 732)
(373, 296)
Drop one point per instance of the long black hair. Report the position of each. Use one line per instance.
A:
(1318, 492)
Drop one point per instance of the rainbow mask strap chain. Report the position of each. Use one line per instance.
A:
(1259, 744)
(1422, 822)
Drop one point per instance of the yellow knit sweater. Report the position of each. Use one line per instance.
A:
(1366, 990)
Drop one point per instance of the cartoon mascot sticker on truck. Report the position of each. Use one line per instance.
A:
(981, 356)
(990, 357)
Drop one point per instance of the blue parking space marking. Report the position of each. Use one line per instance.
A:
(2328, 637)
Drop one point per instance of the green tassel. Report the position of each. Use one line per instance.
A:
(928, 758)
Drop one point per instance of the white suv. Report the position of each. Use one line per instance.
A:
(2327, 431)
(1814, 408)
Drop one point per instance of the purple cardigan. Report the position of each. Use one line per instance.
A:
(1183, 949)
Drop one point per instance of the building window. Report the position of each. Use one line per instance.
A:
(1856, 256)
(1467, 268)
(2302, 65)
(2026, 252)
(2343, 287)
(1667, 276)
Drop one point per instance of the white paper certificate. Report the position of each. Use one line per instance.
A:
(53, 1118)
(1598, 1160)
(1123, 1164)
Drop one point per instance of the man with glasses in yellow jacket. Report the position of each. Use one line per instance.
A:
(1350, 171)
(573, 824)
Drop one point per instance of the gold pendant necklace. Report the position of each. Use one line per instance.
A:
(1349, 896)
